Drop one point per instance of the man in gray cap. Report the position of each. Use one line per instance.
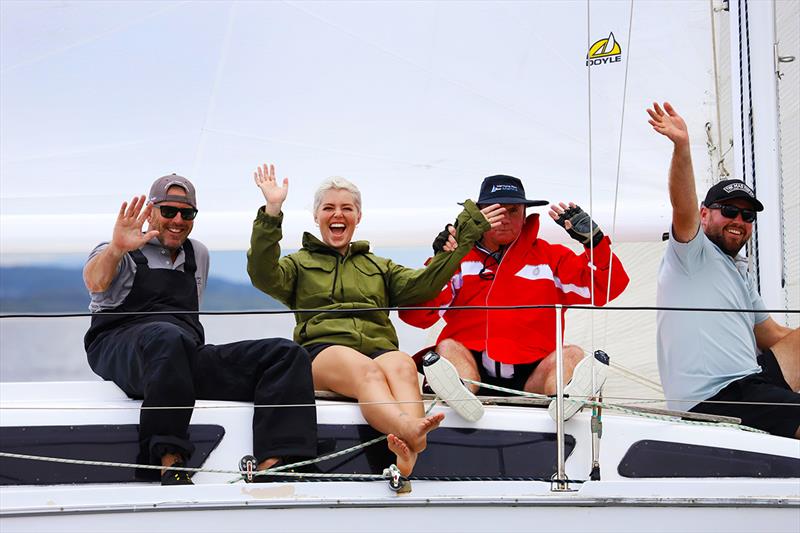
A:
(741, 364)
(163, 358)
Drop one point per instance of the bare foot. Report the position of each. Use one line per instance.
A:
(406, 459)
(417, 430)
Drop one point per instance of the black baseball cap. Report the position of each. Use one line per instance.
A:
(730, 189)
(502, 189)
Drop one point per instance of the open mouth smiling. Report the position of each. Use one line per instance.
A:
(735, 231)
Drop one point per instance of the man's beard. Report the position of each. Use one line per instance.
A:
(718, 238)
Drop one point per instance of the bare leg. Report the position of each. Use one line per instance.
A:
(348, 372)
(401, 375)
(543, 379)
(787, 352)
(462, 359)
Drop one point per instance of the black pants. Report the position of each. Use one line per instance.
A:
(763, 400)
(167, 366)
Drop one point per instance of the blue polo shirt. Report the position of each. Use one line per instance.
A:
(700, 353)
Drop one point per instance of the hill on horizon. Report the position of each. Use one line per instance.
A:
(47, 289)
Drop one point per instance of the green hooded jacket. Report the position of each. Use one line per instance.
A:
(318, 277)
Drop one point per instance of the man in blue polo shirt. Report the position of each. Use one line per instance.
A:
(744, 362)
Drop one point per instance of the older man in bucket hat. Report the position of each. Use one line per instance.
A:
(741, 364)
(512, 266)
(163, 359)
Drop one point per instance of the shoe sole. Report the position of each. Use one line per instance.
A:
(443, 379)
(581, 384)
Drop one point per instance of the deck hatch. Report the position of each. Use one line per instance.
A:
(114, 443)
(659, 459)
(451, 453)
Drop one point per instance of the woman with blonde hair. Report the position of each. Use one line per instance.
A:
(354, 351)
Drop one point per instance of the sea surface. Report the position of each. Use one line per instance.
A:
(51, 349)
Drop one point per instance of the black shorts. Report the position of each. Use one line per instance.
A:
(315, 349)
(517, 381)
(767, 386)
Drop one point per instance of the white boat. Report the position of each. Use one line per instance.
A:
(656, 472)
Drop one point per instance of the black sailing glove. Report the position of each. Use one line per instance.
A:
(441, 239)
(584, 230)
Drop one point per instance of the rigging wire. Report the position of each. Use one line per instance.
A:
(619, 164)
(407, 308)
(591, 193)
(344, 402)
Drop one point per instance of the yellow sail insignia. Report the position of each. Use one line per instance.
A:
(603, 51)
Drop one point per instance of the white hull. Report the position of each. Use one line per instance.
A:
(615, 503)
(445, 506)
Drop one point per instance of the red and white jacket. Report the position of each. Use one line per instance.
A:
(532, 272)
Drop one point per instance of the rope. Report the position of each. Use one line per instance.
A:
(408, 308)
(591, 403)
(188, 469)
(490, 399)
(319, 476)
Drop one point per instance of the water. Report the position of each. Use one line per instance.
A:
(51, 349)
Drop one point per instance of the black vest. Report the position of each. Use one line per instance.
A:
(158, 289)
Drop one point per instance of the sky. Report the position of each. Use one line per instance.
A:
(415, 102)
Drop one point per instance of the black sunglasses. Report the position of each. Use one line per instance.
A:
(169, 211)
(732, 211)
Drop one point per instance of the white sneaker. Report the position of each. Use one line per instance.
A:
(443, 379)
(580, 385)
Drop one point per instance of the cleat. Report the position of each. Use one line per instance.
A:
(443, 379)
(580, 385)
(248, 464)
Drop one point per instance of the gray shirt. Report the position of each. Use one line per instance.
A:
(157, 257)
(700, 353)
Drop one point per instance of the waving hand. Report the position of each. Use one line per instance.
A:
(667, 122)
(274, 194)
(128, 234)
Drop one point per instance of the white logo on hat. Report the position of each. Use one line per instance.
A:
(504, 188)
(737, 187)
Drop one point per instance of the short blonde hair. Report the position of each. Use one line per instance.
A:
(337, 183)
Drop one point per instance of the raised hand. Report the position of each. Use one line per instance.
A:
(494, 214)
(445, 241)
(577, 222)
(667, 122)
(274, 194)
(128, 234)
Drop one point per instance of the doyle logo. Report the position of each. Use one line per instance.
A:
(504, 188)
(604, 51)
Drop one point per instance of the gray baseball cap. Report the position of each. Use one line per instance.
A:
(158, 191)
